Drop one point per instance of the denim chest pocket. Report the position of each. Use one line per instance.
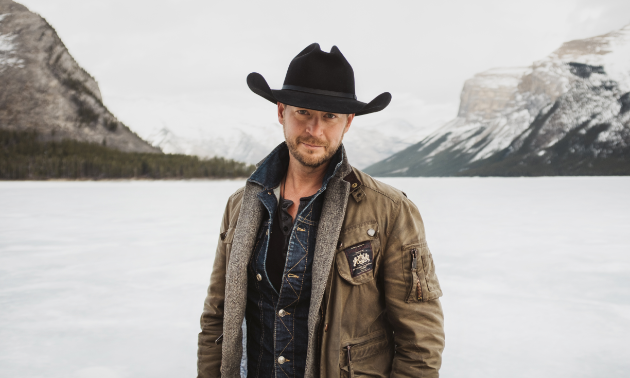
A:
(358, 253)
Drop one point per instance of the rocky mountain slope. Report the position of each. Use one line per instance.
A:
(43, 89)
(568, 114)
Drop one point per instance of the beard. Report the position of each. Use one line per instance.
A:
(308, 159)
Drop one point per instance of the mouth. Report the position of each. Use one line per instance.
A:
(312, 145)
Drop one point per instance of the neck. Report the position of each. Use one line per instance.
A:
(304, 181)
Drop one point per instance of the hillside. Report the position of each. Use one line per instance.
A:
(43, 89)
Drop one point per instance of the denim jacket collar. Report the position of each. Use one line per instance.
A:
(272, 168)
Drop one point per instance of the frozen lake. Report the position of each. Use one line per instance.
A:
(107, 279)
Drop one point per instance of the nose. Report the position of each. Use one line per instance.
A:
(314, 126)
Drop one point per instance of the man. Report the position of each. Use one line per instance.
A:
(321, 270)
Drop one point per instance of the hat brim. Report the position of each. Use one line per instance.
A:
(323, 103)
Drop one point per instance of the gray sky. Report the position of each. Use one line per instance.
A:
(183, 63)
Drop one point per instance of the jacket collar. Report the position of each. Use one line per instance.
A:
(270, 171)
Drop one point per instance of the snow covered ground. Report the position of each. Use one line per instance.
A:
(107, 279)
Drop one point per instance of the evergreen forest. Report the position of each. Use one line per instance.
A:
(25, 155)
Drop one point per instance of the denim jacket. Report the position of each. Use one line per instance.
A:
(277, 322)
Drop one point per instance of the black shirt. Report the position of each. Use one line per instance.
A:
(281, 229)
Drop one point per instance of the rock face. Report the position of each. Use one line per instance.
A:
(568, 114)
(43, 89)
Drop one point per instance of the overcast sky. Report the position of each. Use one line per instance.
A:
(183, 63)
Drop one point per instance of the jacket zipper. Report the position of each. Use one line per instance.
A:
(350, 370)
(414, 270)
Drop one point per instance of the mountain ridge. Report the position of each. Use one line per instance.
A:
(566, 114)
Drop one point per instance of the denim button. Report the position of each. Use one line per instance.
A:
(259, 277)
(282, 313)
(281, 360)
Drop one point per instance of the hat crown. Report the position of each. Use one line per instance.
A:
(316, 69)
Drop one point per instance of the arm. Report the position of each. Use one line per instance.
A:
(209, 350)
(411, 295)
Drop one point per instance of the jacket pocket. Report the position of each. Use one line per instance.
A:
(367, 356)
(422, 282)
(358, 253)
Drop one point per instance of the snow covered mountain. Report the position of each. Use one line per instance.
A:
(568, 114)
(246, 144)
(250, 143)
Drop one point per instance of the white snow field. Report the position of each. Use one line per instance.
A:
(107, 279)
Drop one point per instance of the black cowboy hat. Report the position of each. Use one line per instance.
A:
(320, 81)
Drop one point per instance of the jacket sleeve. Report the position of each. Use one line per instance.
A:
(209, 344)
(411, 294)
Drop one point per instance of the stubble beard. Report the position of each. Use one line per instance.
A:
(307, 159)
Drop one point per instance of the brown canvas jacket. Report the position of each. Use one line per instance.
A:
(387, 322)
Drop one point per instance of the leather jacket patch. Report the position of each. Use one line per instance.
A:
(360, 258)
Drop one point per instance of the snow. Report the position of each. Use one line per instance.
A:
(107, 279)
(612, 52)
(7, 49)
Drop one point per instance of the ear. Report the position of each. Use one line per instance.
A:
(350, 119)
(281, 108)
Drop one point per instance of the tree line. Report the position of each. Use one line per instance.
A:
(24, 155)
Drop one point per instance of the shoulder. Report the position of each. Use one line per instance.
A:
(233, 206)
(398, 215)
(237, 196)
(379, 189)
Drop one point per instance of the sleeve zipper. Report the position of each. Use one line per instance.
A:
(414, 270)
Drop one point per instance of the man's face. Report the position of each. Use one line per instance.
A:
(312, 136)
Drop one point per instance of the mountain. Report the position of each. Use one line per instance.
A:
(44, 90)
(567, 114)
(248, 144)
(365, 144)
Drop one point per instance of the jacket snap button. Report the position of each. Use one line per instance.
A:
(282, 313)
(281, 360)
(354, 185)
(371, 232)
(259, 277)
